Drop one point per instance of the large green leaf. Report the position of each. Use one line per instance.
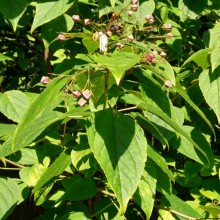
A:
(209, 84)
(176, 204)
(55, 169)
(144, 196)
(211, 37)
(48, 10)
(9, 196)
(120, 147)
(114, 63)
(38, 117)
(13, 10)
(13, 104)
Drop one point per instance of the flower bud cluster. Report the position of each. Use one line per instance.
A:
(82, 96)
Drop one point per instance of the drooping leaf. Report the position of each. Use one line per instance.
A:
(166, 118)
(195, 107)
(13, 104)
(13, 10)
(48, 10)
(209, 84)
(119, 146)
(55, 169)
(114, 64)
(176, 204)
(78, 188)
(9, 196)
(185, 147)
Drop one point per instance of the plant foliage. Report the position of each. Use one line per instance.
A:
(110, 109)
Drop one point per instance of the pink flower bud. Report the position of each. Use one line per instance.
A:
(130, 38)
(163, 54)
(129, 13)
(61, 37)
(134, 7)
(86, 93)
(134, 1)
(155, 52)
(167, 27)
(76, 18)
(150, 19)
(120, 45)
(76, 94)
(150, 57)
(82, 102)
(87, 21)
(45, 80)
(168, 83)
(169, 35)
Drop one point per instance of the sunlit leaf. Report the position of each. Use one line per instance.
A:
(119, 146)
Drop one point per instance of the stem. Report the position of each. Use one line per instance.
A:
(107, 193)
(127, 109)
(5, 168)
(14, 164)
(47, 60)
(106, 89)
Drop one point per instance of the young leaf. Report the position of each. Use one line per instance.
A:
(215, 58)
(114, 63)
(209, 84)
(9, 196)
(13, 104)
(48, 10)
(13, 10)
(120, 147)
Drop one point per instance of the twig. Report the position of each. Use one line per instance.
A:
(13, 163)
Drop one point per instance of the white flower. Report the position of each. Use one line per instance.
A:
(103, 42)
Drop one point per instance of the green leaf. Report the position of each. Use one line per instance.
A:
(176, 204)
(114, 63)
(145, 8)
(55, 169)
(49, 31)
(120, 147)
(214, 210)
(209, 84)
(4, 57)
(215, 58)
(37, 118)
(30, 175)
(167, 70)
(78, 188)
(186, 148)
(201, 58)
(144, 196)
(211, 37)
(48, 10)
(194, 106)
(160, 161)
(6, 129)
(166, 118)
(9, 196)
(13, 104)
(13, 10)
